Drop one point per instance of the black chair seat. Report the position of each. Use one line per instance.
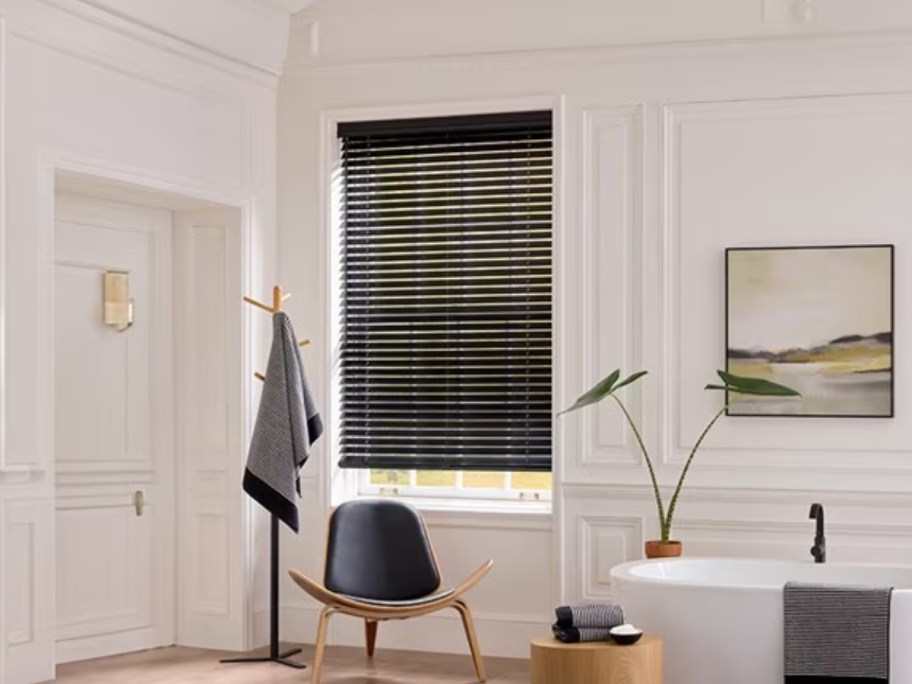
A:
(408, 603)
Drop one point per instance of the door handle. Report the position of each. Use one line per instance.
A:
(139, 502)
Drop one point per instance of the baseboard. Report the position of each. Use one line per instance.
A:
(87, 648)
(500, 634)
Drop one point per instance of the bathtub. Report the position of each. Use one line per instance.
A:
(721, 618)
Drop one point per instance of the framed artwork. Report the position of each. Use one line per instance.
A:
(816, 319)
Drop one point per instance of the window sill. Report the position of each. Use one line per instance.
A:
(488, 513)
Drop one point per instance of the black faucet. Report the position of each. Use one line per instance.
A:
(818, 550)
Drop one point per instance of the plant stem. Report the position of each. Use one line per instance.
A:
(666, 524)
(652, 475)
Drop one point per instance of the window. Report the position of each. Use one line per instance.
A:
(446, 268)
(483, 484)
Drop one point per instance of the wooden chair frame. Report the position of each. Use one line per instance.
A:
(372, 614)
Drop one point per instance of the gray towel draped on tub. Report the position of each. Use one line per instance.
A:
(287, 424)
(836, 634)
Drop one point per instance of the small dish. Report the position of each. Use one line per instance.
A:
(625, 635)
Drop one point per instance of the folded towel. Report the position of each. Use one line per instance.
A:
(590, 615)
(287, 424)
(575, 635)
(836, 634)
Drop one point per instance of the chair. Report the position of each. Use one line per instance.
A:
(380, 566)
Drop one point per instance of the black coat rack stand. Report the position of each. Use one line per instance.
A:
(274, 655)
(278, 297)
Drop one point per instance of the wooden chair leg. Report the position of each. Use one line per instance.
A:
(370, 634)
(322, 629)
(469, 624)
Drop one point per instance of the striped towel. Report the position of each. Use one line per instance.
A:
(575, 635)
(287, 424)
(590, 615)
(836, 634)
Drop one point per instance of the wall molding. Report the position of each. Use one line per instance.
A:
(543, 43)
(612, 148)
(136, 29)
(27, 632)
(593, 530)
(783, 527)
(791, 457)
(856, 498)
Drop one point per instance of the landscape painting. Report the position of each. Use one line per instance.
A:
(816, 319)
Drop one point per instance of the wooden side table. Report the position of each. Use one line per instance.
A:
(596, 662)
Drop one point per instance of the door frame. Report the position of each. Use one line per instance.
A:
(162, 478)
(257, 268)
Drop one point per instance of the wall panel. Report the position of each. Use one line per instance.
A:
(777, 173)
(28, 530)
(610, 292)
(212, 591)
(92, 93)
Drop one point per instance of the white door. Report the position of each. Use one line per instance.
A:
(113, 439)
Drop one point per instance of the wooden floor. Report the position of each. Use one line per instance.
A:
(343, 665)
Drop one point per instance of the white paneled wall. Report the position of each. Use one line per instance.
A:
(92, 91)
(728, 124)
(28, 584)
(210, 378)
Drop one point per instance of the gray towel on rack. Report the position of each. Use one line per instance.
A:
(586, 615)
(836, 634)
(287, 424)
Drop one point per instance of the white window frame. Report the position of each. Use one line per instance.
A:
(458, 491)
(345, 484)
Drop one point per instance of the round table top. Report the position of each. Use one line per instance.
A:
(548, 641)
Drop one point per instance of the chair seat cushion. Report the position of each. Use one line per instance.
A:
(430, 598)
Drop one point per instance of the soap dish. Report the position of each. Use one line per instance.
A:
(625, 635)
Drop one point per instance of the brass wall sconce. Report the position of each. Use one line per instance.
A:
(118, 307)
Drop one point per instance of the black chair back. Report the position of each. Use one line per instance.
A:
(379, 549)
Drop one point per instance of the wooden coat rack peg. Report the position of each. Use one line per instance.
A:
(278, 299)
(275, 656)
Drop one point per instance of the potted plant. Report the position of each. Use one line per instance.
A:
(734, 384)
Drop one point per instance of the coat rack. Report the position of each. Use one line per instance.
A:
(278, 299)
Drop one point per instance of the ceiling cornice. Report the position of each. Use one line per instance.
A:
(263, 25)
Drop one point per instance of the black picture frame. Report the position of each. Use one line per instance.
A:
(791, 408)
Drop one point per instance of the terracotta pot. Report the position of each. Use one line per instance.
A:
(660, 549)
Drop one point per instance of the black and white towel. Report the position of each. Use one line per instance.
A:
(287, 424)
(589, 615)
(575, 635)
(836, 634)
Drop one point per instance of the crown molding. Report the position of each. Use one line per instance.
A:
(264, 64)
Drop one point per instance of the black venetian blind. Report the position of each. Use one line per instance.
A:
(446, 249)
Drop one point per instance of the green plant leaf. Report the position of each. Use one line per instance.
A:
(717, 387)
(754, 386)
(601, 390)
(629, 379)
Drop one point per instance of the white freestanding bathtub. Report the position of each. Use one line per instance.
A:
(721, 618)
